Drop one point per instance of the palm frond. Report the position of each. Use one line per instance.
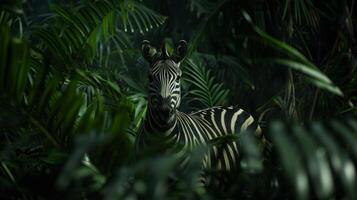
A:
(54, 104)
(135, 16)
(301, 12)
(75, 34)
(205, 89)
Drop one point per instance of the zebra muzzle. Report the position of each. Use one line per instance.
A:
(164, 108)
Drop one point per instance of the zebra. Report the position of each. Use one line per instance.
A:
(173, 132)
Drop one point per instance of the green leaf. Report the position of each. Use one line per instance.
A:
(295, 172)
(317, 165)
(4, 43)
(205, 89)
(340, 162)
(314, 75)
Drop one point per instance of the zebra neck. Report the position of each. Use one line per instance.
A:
(153, 125)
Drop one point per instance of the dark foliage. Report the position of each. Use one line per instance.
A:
(73, 94)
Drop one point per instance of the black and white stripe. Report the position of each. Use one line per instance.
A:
(190, 130)
(175, 132)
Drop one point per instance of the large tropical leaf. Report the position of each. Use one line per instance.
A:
(320, 157)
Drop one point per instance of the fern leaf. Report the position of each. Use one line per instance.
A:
(204, 89)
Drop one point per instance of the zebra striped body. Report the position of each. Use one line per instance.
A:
(191, 130)
(170, 131)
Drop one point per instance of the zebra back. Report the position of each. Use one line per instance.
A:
(200, 128)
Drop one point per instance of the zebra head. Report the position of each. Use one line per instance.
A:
(164, 80)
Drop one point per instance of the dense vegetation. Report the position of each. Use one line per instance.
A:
(73, 83)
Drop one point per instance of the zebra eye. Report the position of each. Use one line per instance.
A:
(178, 78)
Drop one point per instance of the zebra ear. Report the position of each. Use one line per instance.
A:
(148, 51)
(181, 51)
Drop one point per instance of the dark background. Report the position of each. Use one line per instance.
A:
(73, 84)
